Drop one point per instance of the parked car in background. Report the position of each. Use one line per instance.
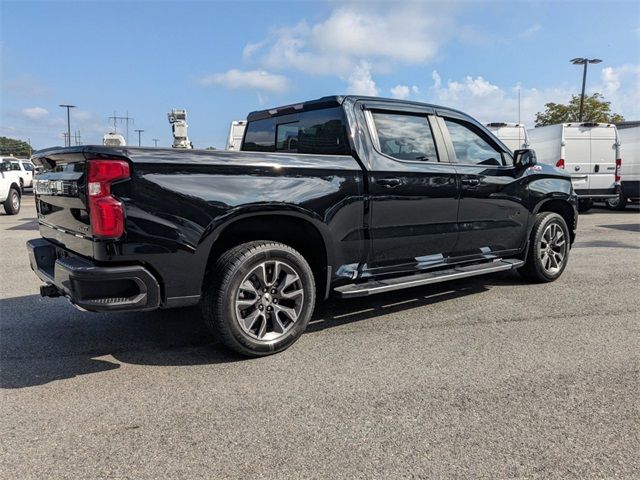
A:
(26, 171)
(513, 135)
(629, 134)
(10, 190)
(590, 152)
(236, 132)
(343, 195)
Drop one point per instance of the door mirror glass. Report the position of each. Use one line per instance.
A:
(524, 158)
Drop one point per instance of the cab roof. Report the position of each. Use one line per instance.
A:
(334, 101)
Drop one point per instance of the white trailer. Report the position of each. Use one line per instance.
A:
(236, 133)
(629, 134)
(513, 135)
(590, 152)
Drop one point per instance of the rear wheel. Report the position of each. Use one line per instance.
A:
(617, 203)
(585, 205)
(259, 298)
(548, 249)
(12, 203)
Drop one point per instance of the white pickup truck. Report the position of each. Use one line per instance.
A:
(10, 191)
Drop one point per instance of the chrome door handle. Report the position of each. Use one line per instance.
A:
(472, 182)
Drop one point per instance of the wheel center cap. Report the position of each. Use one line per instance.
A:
(267, 298)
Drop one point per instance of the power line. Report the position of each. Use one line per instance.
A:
(126, 119)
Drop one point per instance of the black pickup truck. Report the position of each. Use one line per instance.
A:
(344, 195)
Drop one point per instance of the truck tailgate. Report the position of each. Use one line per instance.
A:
(61, 203)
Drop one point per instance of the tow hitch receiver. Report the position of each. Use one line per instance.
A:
(49, 291)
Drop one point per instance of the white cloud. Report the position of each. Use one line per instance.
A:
(407, 33)
(400, 91)
(621, 87)
(35, 113)
(488, 102)
(380, 35)
(360, 81)
(531, 31)
(259, 80)
(26, 86)
(403, 92)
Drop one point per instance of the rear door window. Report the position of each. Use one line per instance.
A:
(405, 136)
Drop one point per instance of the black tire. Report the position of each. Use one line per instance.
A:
(618, 203)
(221, 292)
(534, 269)
(585, 205)
(12, 203)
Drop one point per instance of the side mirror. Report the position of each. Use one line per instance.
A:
(524, 158)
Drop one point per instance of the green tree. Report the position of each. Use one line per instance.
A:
(595, 110)
(11, 146)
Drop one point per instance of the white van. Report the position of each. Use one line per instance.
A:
(513, 135)
(590, 152)
(629, 134)
(236, 132)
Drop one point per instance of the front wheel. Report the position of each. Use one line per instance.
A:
(259, 298)
(12, 203)
(618, 203)
(548, 249)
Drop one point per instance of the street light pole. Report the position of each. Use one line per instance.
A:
(67, 142)
(139, 137)
(585, 62)
(155, 142)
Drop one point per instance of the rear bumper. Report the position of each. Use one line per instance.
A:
(89, 286)
(631, 188)
(598, 193)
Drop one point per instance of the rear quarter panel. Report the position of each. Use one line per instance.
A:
(178, 202)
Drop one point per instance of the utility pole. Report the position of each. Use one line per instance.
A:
(67, 142)
(585, 62)
(68, 137)
(139, 136)
(155, 142)
(77, 137)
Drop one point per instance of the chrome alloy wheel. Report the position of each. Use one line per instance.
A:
(269, 300)
(15, 201)
(553, 248)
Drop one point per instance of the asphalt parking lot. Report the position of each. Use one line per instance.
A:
(489, 377)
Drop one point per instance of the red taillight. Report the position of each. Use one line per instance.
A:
(618, 166)
(107, 214)
(560, 163)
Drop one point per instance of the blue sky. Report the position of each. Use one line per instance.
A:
(220, 60)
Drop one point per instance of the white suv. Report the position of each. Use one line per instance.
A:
(26, 169)
(10, 191)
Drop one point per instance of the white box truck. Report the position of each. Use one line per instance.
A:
(590, 152)
(236, 133)
(513, 135)
(629, 135)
